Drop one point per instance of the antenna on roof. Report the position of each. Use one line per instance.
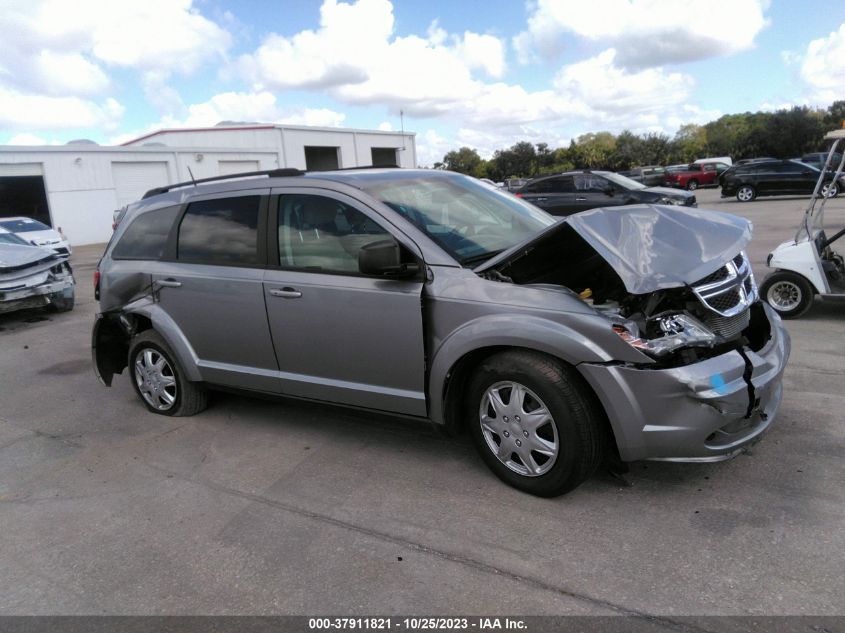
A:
(193, 180)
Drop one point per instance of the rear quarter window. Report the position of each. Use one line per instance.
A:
(146, 236)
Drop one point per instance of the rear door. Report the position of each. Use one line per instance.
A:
(592, 191)
(341, 336)
(553, 195)
(212, 288)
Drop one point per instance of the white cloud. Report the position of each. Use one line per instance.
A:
(421, 73)
(645, 33)
(823, 67)
(30, 139)
(385, 126)
(247, 107)
(39, 112)
(61, 48)
(606, 87)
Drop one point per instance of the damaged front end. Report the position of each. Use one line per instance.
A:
(676, 285)
(33, 277)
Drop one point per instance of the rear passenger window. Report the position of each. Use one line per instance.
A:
(222, 231)
(146, 237)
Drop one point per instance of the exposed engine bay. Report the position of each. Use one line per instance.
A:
(673, 321)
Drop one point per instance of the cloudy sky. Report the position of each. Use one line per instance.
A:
(468, 72)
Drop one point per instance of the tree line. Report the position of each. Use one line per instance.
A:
(786, 133)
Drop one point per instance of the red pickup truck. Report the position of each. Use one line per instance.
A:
(695, 175)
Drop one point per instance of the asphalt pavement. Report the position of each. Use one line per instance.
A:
(280, 507)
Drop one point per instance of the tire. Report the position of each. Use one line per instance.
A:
(692, 185)
(62, 301)
(746, 193)
(788, 293)
(830, 190)
(570, 426)
(164, 389)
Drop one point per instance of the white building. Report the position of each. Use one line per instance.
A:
(78, 186)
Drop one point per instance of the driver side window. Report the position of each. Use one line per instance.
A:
(322, 234)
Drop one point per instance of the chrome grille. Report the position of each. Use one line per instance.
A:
(728, 327)
(730, 290)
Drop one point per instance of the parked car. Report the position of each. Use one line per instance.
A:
(649, 175)
(33, 277)
(427, 294)
(817, 159)
(36, 233)
(576, 191)
(695, 175)
(775, 178)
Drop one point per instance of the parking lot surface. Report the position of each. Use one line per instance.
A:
(280, 507)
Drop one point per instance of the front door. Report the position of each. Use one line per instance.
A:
(341, 336)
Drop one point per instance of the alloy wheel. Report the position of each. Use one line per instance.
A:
(155, 379)
(518, 428)
(745, 194)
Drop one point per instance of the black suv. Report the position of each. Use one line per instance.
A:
(571, 192)
(775, 178)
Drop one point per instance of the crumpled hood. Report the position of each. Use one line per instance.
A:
(15, 255)
(649, 246)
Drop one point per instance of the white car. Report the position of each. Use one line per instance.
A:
(36, 233)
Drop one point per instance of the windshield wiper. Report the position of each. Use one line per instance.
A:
(481, 257)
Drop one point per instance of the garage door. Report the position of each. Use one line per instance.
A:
(228, 167)
(133, 180)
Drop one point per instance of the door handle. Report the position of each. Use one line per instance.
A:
(169, 283)
(286, 292)
(577, 199)
(540, 199)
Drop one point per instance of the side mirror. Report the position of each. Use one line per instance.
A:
(383, 259)
(609, 190)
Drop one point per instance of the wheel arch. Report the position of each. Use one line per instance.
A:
(113, 332)
(460, 374)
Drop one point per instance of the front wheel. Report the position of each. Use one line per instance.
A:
(158, 379)
(534, 423)
(790, 294)
(746, 193)
(692, 185)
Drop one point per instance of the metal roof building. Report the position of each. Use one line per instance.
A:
(78, 186)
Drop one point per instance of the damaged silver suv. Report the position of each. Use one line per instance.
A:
(630, 333)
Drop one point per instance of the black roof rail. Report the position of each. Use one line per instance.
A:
(270, 173)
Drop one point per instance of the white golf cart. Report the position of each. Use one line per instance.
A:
(807, 265)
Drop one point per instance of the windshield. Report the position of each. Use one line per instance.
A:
(469, 220)
(623, 181)
(11, 238)
(23, 225)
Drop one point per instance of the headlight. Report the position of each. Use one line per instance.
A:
(668, 200)
(678, 330)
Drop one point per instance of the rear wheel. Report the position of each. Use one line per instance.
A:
(830, 190)
(692, 185)
(534, 423)
(159, 380)
(746, 193)
(790, 294)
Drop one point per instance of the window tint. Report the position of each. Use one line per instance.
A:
(563, 184)
(223, 231)
(321, 233)
(590, 183)
(146, 237)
